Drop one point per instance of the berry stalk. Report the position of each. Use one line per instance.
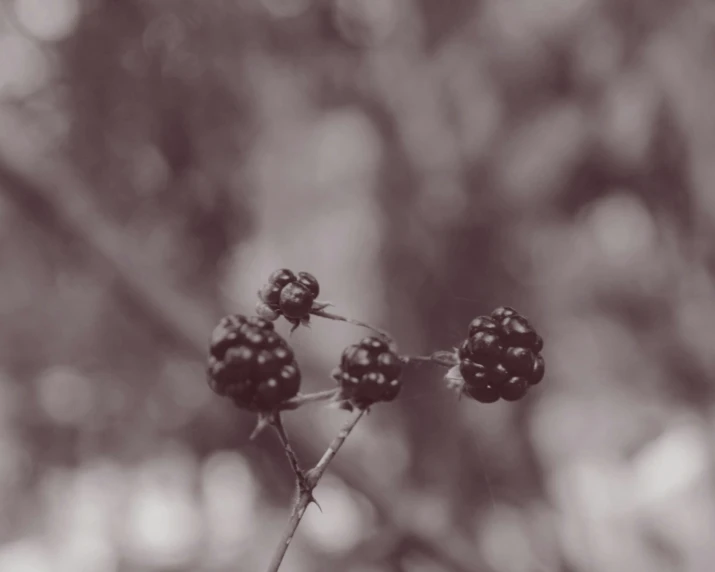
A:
(338, 318)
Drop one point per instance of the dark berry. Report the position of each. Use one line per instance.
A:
(482, 324)
(369, 372)
(503, 312)
(251, 364)
(538, 373)
(310, 282)
(519, 361)
(518, 331)
(281, 277)
(485, 347)
(501, 356)
(486, 394)
(514, 388)
(296, 301)
(270, 294)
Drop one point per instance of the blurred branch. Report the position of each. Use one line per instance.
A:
(52, 196)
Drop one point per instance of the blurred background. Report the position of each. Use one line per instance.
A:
(428, 161)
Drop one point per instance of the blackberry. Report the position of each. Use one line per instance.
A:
(289, 295)
(369, 372)
(251, 363)
(501, 357)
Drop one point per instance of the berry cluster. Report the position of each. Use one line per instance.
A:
(501, 357)
(369, 372)
(288, 295)
(250, 363)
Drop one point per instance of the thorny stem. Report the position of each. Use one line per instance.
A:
(306, 492)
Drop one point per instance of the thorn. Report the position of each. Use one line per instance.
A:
(311, 500)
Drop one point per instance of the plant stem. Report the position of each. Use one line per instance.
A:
(330, 316)
(277, 424)
(314, 474)
(306, 492)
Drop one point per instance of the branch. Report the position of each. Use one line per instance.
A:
(312, 478)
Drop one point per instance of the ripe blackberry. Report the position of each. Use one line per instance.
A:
(288, 295)
(369, 372)
(251, 364)
(501, 357)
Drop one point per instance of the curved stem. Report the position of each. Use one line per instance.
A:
(330, 316)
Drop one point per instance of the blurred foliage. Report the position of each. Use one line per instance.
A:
(428, 161)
